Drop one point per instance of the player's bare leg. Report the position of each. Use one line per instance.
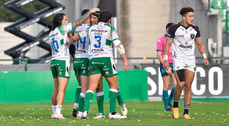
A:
(54, 97)
(189, 76)
(177, 94)
(60, 97)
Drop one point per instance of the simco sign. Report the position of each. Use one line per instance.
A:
(209, 81)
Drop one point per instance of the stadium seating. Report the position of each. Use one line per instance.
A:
(218, 4)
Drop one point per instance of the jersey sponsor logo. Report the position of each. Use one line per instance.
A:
(97, 50)
(52, 35)
(180, 36)
(98, 30)
(185, 47)
(98, 63)
(80, 51)
(192, 36)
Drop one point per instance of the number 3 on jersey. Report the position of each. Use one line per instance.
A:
(98, 39)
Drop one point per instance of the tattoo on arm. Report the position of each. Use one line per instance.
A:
(82, 19)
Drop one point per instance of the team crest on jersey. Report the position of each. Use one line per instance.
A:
(192, 36)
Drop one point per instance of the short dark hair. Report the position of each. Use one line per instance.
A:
(57, 20)
(84, 12)
(185, 10)
(168, 25)
(105, 16)
(96, 14)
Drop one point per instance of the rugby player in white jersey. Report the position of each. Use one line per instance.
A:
(183, 37)
(81, 63)
(99, 91)
(102, 36)
(60, 62)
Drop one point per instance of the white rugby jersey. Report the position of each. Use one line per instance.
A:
(82, 44)
(59, 45)
(183, 45)
(101, 36)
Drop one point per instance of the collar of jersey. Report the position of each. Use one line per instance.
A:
(184, 26)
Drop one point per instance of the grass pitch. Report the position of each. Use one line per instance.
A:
(210, 113)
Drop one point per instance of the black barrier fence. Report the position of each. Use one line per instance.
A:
(212, 81)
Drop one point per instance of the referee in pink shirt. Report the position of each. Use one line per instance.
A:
(166, 74)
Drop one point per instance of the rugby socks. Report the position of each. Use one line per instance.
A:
(171, 95)
(81, 102)
(186, 108)
(58, 109)
(53, 108)
(165, 98)
(77, 94)
(175, 103)
(88, 100)
(112, 99)
(119, 98)
(100, 100)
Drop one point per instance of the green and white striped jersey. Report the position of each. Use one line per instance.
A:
(82, 44)
(58, 42)
(101, 37)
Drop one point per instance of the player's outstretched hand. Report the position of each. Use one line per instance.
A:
(206, 63)
(94, 10)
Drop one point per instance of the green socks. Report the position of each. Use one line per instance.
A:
(119, 98)
(100, 100)
(81, 102)
(77, 94)
(112, 99)
(88, 100)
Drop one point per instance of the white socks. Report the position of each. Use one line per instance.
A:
(58, 109)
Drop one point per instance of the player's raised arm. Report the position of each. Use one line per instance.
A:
(202, 50)
(78, 36)
(84, 17)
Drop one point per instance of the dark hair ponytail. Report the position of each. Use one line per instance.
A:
(57, 20)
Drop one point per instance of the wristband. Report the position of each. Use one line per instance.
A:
(165, 57)
(204, 56)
